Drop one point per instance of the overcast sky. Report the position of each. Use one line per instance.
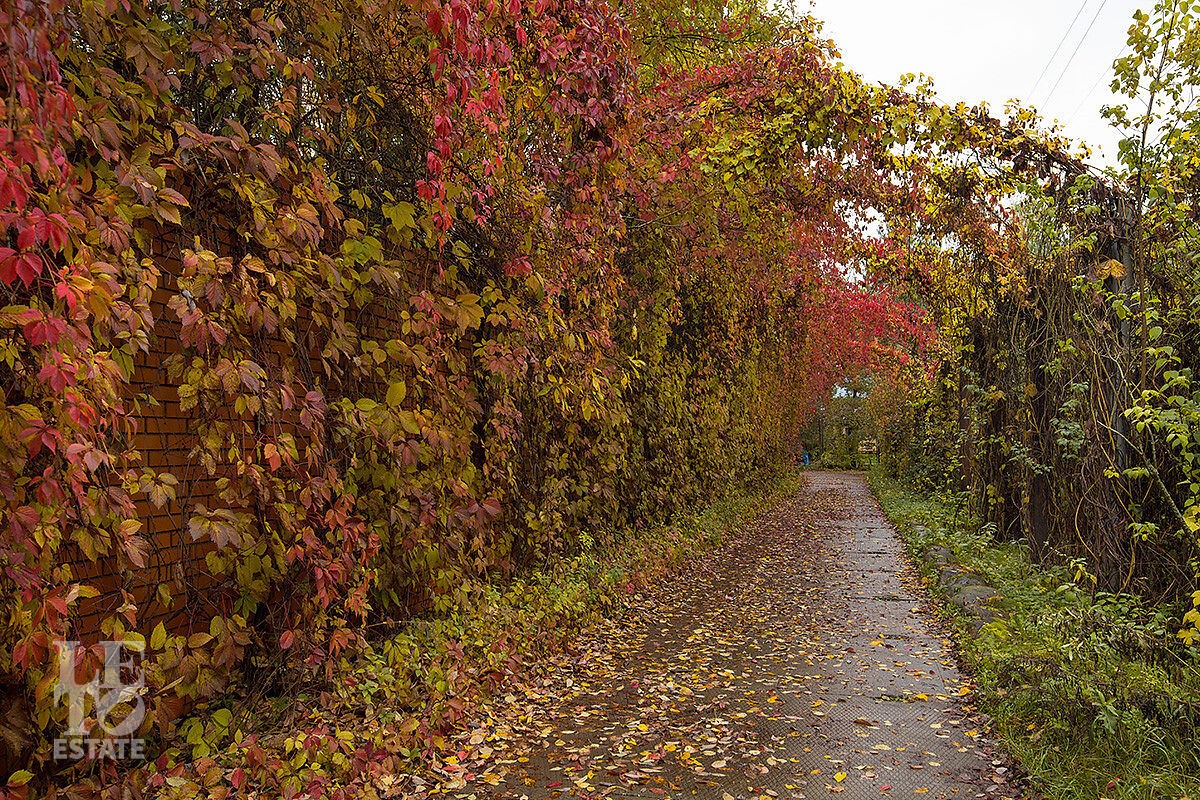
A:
(979, 50)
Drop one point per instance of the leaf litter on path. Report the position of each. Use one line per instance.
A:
(799, 660)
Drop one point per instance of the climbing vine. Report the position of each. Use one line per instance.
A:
(419, 295)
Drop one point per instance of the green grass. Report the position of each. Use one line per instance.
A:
(1092, 693)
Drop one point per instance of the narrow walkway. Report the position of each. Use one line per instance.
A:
(799, 661)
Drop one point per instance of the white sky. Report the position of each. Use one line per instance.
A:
(993, 51)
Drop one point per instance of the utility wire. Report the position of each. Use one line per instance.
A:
(1061, 42)
(1071, 60)
(1106, 73)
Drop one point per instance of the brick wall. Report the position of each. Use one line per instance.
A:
(165, 437)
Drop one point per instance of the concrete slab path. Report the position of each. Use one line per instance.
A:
(800, 660)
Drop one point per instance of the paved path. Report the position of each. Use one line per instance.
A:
(799, 661)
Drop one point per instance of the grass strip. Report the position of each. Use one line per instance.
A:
(1091, 692)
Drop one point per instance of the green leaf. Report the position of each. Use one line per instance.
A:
(396, 394)
(409, 422)
(20, 777)
(1191, 518)
(401, 215)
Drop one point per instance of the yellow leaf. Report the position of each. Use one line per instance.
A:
(839, 777)
(20, 778)
(1110, 269)
(159, 637)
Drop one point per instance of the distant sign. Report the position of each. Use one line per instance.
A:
(868, 446)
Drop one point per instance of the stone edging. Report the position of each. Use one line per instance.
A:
(961, 588)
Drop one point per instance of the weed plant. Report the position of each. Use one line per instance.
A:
(1092, 692)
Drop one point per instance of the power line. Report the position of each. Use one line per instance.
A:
(1071, 60)
(1061, 42)
(1107, 73)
